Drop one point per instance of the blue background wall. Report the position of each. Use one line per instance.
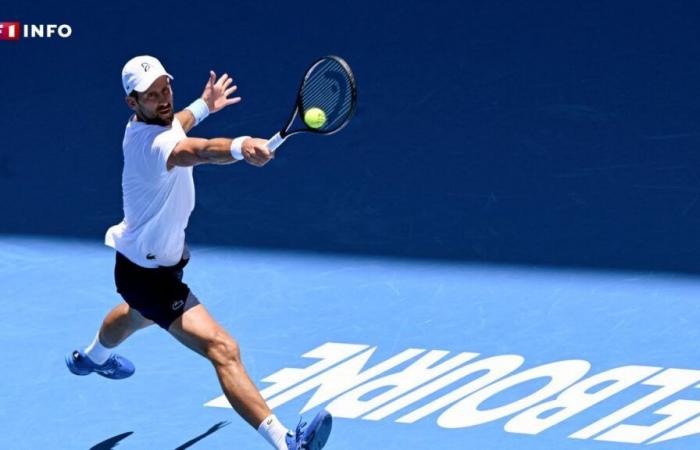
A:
(551, 132)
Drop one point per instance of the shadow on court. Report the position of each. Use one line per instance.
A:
(210, 431)
(109, 444)
(113, 442)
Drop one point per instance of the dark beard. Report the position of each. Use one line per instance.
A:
(158, 120)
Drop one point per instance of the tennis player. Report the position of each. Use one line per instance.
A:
(158, 196)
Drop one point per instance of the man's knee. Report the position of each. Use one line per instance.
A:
(222, 349)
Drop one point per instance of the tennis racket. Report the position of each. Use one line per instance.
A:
(328, 85)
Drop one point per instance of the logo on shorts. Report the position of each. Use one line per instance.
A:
(178, 304)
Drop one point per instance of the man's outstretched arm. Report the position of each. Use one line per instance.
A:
(194, 151)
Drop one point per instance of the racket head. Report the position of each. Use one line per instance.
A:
(329, 85)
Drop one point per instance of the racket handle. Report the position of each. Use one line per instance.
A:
(275, 141)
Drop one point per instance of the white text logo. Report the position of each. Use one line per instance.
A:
(341, 381)
(12, 31)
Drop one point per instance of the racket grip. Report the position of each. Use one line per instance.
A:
(275, 141)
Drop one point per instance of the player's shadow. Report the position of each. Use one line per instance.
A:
(109, 444)
(211, 430)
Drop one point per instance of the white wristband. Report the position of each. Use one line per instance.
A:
(236, 147)
(199, 110)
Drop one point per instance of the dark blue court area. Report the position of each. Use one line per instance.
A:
(500, 251)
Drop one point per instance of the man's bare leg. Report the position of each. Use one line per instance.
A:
(198, 330)
(98, 357)
(120, 323)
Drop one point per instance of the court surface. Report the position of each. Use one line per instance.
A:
(281, 306)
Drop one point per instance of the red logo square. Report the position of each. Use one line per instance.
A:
(9, 31)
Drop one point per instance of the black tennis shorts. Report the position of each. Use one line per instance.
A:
(158, 294)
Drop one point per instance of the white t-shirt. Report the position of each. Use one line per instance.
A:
(157, 201)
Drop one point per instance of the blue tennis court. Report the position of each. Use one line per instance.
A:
(500, 251)
(387, 343)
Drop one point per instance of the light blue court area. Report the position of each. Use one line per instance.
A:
(406, 354)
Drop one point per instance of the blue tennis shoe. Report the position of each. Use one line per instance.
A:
(313, 437)
(115, 368)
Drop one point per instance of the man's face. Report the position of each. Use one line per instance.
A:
(155, 105)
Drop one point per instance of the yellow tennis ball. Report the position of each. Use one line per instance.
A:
(315, 118)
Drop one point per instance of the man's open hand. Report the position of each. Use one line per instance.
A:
(216, 92)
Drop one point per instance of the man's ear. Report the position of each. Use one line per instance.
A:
(130, 102)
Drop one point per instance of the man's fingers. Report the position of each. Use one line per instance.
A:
(263, 151)
(222, 80)
(212, 77)
(256, 161)
(232, 101)
(254, 156)
(230, 90)
(259, 154)
(228, 83)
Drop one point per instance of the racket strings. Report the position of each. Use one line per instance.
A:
(330, 87)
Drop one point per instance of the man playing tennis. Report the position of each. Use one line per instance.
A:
(158, 195)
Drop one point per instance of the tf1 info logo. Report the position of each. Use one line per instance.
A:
(13, 31)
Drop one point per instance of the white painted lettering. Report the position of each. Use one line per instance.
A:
(576, 398)
(466, 413)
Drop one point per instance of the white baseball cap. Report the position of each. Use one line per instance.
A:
(140, 72)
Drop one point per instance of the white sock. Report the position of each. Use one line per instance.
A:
(274, 432)
(97, 352)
